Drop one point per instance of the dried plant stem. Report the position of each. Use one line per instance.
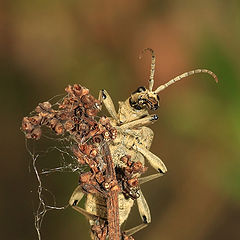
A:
(112, 198)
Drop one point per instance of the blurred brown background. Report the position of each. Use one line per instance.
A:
(46, 45)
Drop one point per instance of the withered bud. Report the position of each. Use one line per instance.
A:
(83, 127)
(28, 136)
(91, 112)
(65, 103)
(85, 91)
(35, 120)
(69, 125)
(86, 149)
(138, 167)
(87, 99)
(53, 122)
(62, 116)
(45, 114)
(69, 89)
(133, 182)
(128, 171)
(45, 106)
(26, 125)
(36, 133)
(38, 109)
(90, 122)
(59, 129)
(97, 139)
(85, 177)
(77, 89)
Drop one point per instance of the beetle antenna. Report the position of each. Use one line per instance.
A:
(186, 74)
(151, 79)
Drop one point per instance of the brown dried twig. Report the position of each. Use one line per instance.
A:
(112, 199)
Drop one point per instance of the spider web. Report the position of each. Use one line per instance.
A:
(40, 152)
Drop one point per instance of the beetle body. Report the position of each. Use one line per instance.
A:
(133, 138)
(120, 147)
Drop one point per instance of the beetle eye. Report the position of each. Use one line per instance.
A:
(140, 89)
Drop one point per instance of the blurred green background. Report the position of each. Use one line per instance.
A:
(46, 45)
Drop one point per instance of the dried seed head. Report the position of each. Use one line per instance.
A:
(27, 125)
(97, 138)
(69, 125)
(85, 91)
(68, 89)
(133, 182)
(59, 129)
(53, 122)
(62, 116)
(36, 133)
(88, 100)
(85, 177)
(46, 106)
(35, 120)
(38, 109)
(77, 89)
(91, 112)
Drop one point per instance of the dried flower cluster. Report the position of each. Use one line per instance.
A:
(74, 117)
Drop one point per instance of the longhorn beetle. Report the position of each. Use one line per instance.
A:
(134, 139)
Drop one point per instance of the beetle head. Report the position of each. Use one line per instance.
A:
(143, 98)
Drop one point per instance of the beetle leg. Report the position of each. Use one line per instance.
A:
(76, 197)
(105, 98)
(154, 160)
(140, 122)
(149, 178)
(144, 213)
(143, 208)
(88, 215)
(133, 230)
